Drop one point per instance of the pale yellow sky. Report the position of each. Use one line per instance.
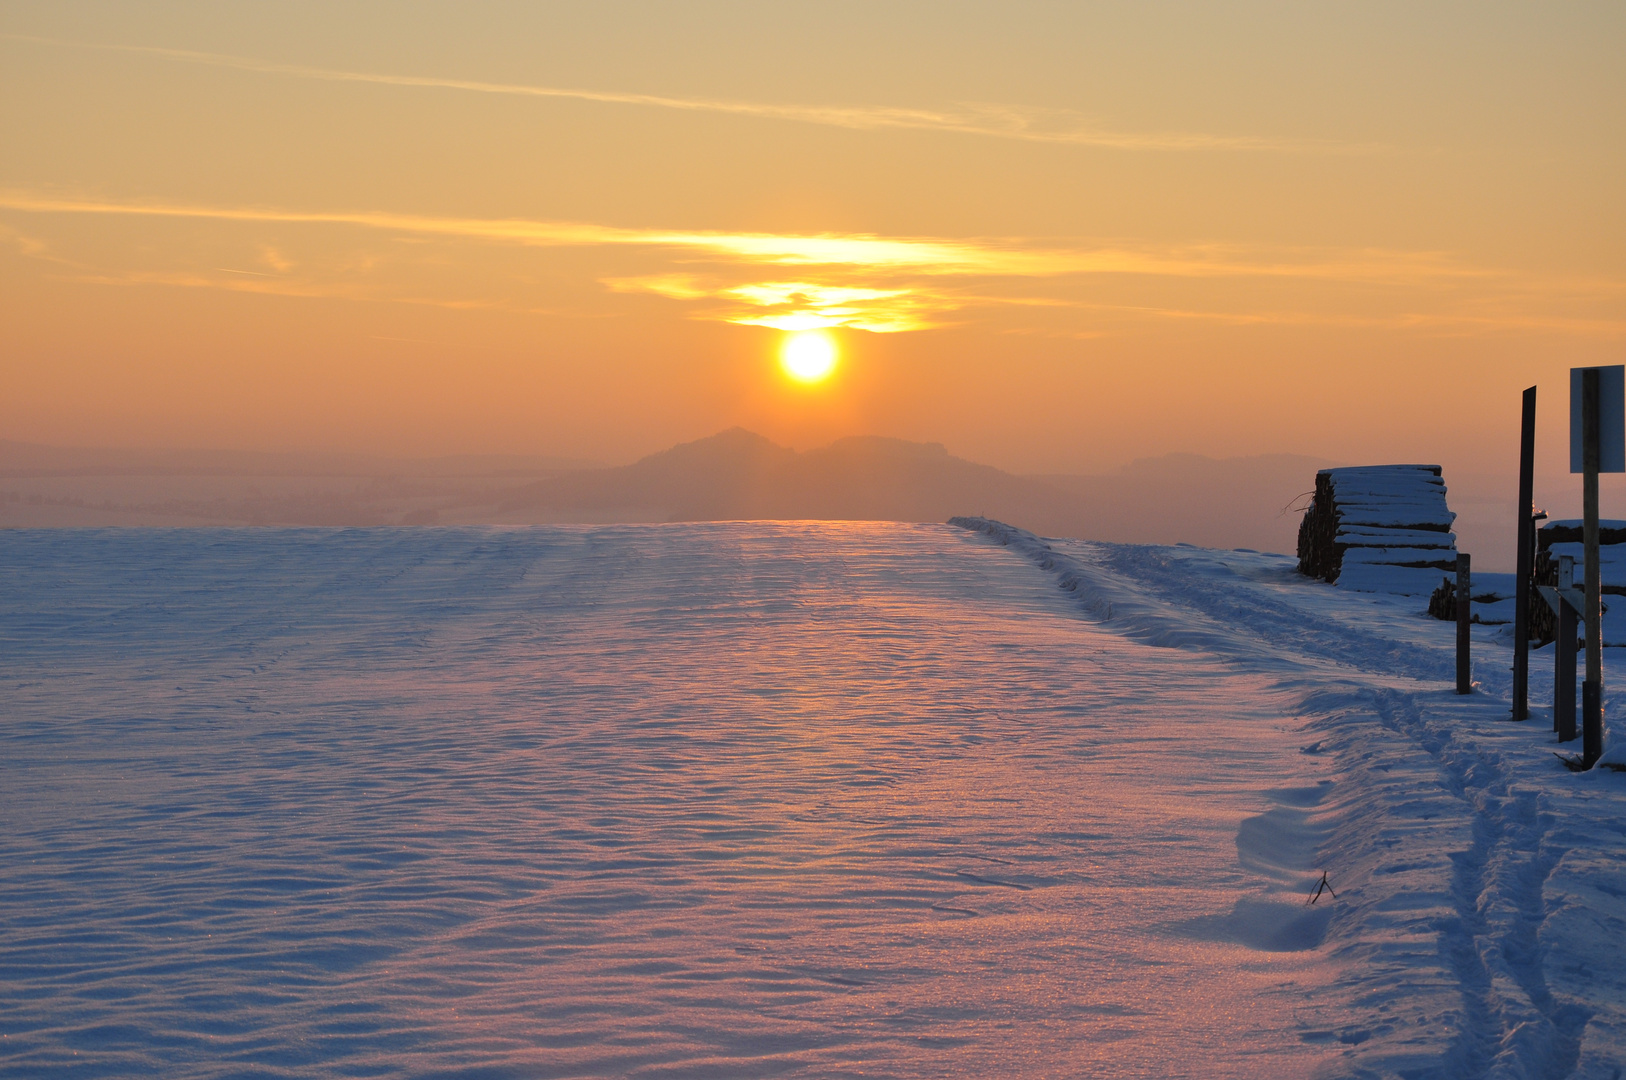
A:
(1051, 236)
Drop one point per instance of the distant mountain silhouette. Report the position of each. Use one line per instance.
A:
(739, 475)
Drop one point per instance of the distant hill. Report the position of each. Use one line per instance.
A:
(741, 475)
(1235, 502)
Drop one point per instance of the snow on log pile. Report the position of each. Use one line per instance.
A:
(1563, 537)
(1379, 528)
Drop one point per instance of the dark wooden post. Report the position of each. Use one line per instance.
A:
(1564, 655)
(1592, 688)
(1464, 618)
(1525, 561)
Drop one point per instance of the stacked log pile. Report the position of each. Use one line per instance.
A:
(1442, 602)
(1563, 537)
(1493, 599)
(1379, 528)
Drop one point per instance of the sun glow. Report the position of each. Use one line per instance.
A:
(808, 356)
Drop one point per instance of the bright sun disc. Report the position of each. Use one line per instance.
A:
(808, 356)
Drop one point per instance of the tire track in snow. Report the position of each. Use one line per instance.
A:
(1513, 1027)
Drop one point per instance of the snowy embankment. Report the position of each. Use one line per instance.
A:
(772, 799)
(1482, 893)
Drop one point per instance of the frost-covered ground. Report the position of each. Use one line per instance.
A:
(773, 799)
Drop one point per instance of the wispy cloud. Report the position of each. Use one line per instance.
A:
(826, 249)
(802, 305)
(891, 284)
(1004, 257)
(1025, 123)
(247, 281)
(1450, 323)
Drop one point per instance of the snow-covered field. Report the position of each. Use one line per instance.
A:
(774, 800)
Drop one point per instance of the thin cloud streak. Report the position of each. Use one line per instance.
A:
(829, 250)
(1444, 324)
(801, 305)
(981, 120)
(272, 286)
(908, 310)
(885, 284)
(859, 251)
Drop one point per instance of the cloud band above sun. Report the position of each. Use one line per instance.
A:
(881, 284)
(1003, 257)
(802, 305)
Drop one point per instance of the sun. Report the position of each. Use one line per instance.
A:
(808, 356)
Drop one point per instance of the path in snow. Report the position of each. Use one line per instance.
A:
(1473, 864)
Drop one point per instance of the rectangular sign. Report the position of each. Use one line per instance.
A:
(1611, 419)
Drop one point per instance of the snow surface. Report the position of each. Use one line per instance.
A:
(799, 799)
(1495, 596)
(1393, 527)
(1389, 496)
(1358, 575)
(1611, 572)
(1416, 538)
(1611, 560)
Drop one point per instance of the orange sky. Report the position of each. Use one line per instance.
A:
(1053, 237)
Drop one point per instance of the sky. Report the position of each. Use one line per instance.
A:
(1054, 237)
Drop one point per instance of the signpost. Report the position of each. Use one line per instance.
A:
(1465, 675)
(1564, 652)
(1567, 603)
(1597, 444)
(1525, 568)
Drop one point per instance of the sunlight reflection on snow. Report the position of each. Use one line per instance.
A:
(801, 799)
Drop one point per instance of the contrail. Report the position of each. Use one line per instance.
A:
(988, 121)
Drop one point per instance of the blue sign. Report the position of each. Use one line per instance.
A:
(1611, 419)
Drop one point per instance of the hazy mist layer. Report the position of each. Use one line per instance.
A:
(1252, 502)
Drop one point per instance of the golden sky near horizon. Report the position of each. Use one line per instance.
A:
(1054, 237)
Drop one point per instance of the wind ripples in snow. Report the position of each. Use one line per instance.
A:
(684, 800)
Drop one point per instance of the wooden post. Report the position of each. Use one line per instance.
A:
(1464, 617)
(1526, 559)
(1592, 688)
(1564, 655)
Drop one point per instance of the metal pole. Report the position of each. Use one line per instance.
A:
(1524, 570)
(1564, 655)
(1464, 616)
(1592, 688)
